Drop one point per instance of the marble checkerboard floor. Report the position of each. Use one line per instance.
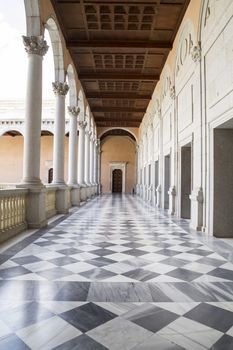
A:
(116, 274)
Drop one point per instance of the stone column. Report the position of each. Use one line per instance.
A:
(72, 163)
(95, 162)
(36, 47)
(98, 166)
(81, 158)
(172, 190)
(60, 89)
(87, 161)
(91, 159)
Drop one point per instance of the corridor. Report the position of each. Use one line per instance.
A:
(116, 274)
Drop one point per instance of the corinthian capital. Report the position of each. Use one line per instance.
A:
(60, 88)
(35, 45)
(73, 111)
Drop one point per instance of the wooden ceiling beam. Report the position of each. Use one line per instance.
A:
(118, 95)
(117, 76)
(93, 44)
(118, 109)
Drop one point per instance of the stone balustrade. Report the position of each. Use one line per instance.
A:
(12, 212)
(50, 201)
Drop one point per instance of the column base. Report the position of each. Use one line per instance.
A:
(35, 206)
(172, 200)
(83, 193)
(62, 200)
(196, 198)
(75, 195)
(158, 196)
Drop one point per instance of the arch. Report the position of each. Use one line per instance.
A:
(12, 133)
(119, 128)
(72, 86)
(33, 21)
(5, 131)
(46, 133)
(54, 34)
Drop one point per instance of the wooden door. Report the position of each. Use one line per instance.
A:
(117, 181)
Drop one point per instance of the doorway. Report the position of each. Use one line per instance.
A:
(186, 180)
(50, 175)
(223, 181)
(166, 180)
(117, 181)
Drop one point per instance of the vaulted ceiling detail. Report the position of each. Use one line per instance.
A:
(119, 49)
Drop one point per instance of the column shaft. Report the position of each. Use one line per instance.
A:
(73, 143)
(60, 90)
(81, 153)
(36, 47)
(87, 158)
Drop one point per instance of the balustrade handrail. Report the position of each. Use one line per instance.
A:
(10, 192)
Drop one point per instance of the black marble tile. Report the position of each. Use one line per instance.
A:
(224, 343)
(87, 317)
(167, 252)
(44, 244)
(135, 252)
(200, 252)
(73, 291)
(83, 342)
(24, 315)
(102, 252)
(69, 251)
(212, 316)
(152, 318)
(173, 261)
(101, 261)
(132, 245)
(141, 275)
(222, 273)
(13, 272)
(12, 342)
(184, 274)
(97, 274)
(26, 260)
(104, 244)
(63, 261)
(211, 261)
(191, 245)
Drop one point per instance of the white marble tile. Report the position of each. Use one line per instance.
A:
(48, 334)
(197, 267)
(119, 334)
(120, 256)
(160, 268)
(4, 329)
(188, 257)
(79, 267)
(154, 257)
(177, 308)
(58, 307)
(40, 266)
(190, 334)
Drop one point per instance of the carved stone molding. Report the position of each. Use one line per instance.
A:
(172, 92)
(60, 88)
(196, 53)
(82, 124)
(35, 45)
(73, 111)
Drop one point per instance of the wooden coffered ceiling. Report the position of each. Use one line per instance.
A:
(119, 49)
